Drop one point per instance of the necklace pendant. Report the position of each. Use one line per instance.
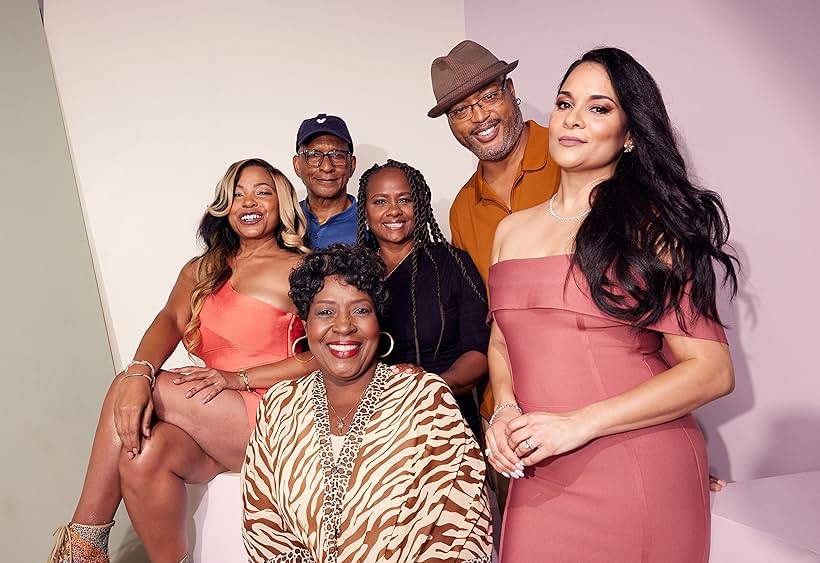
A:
(341, 425)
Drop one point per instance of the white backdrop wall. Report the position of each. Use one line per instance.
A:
(741, 80)
(160, 97)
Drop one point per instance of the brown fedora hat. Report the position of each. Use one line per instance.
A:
(465, 69)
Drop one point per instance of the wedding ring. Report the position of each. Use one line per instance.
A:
(528, 444)
(487, 452)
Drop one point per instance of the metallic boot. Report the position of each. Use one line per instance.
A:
(81, 543)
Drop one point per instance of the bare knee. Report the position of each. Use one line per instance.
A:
(153, 459)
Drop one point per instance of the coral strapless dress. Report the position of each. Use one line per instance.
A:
(639, 496)
(241, 332)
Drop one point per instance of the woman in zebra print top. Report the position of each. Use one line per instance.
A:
(354, 463)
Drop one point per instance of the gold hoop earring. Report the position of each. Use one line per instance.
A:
(296, 354)
(392, 343)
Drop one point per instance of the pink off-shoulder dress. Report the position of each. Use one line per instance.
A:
(638, 496)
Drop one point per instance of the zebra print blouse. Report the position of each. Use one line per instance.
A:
(408, 485)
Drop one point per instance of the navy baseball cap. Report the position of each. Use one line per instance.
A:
(320, 125)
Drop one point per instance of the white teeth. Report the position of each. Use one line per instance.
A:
(394, 225)
(250, 217)
(343, 347)
(486, 132)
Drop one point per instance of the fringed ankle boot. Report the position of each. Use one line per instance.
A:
(81, 543)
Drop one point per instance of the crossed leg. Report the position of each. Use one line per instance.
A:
(191, 444)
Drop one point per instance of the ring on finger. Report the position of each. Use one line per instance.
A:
(488, 451)
(528, 444)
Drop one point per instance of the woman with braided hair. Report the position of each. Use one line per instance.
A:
(438, 305)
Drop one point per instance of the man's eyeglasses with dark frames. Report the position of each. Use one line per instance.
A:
(314, 158)
(488, 100)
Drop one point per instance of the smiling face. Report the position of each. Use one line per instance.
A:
(587, 128)
(492, 133)
(389, 207)
(343, 331)
(326, 181)
(254, 213)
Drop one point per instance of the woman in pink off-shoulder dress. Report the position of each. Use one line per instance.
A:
(595, 295)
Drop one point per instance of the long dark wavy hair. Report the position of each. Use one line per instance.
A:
(652, 236)
(426, 234)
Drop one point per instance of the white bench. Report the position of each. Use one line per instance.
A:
(771, 520)
(217, 520)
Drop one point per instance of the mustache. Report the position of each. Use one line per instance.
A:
(486, 125)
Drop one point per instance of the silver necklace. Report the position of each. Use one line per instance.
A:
(570, 218)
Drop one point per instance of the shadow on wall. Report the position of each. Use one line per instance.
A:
(792, 436)
(741, 312)
(540, 115)
(366, 156)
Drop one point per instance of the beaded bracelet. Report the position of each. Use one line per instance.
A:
(243, 375)
(500, 408)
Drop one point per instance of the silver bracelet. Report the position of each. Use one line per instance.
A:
(145, 375)
(145, 363)
(152, 377)
(500, 408)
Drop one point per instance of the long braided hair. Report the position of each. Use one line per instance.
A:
(426, 234)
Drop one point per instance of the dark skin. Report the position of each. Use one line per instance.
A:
(148, 463)
(327, 184)
(343, 332)
(500, 173)
(390, 214)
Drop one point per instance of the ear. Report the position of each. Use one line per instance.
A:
(297, 163)
(352, 164)
(511, 87)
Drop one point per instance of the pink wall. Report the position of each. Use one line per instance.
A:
(742, 85)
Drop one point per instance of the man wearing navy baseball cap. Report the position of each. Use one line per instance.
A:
(324, 161)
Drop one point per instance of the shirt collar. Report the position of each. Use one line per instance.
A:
(535, 158)
(351, 210)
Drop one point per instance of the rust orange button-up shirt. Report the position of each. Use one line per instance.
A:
(477, 210)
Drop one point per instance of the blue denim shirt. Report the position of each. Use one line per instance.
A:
(339, 228)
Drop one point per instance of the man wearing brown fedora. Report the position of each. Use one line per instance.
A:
(514, 169)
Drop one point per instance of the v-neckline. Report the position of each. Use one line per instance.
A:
(336, 473)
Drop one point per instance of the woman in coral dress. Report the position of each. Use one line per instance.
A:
(159, 431)
(592, 295)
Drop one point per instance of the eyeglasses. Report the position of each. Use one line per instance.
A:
(315, 158)
(489, 100)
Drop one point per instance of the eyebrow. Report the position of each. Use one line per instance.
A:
(384, 194)
(331, 302)
(256, 185)
(592, 97)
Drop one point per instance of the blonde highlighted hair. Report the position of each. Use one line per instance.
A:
(222, 243)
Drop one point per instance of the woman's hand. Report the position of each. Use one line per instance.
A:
(133, 407)
(214, 380)
(716, 484)
(536, 436)
(406, 369)
(498, 452)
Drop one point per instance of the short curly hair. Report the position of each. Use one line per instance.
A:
(358, 266)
